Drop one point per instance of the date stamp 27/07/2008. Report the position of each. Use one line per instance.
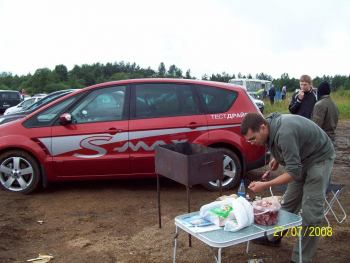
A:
(295, 231)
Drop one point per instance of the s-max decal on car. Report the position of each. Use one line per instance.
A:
(90, 144)
(144, 146)
(64, 144)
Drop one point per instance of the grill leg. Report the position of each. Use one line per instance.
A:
(189, 211)
(158, 194)
(175, 245)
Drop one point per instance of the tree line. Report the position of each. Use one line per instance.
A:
(46, 80)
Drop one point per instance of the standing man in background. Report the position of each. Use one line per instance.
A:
(272, 94)
(326, 113)
(304, 100)
(284, 92)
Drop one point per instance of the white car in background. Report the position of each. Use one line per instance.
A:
(23, 105)
(259, 103)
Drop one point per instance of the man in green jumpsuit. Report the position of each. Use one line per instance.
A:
(307, 154)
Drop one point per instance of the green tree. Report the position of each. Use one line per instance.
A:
(161, 70)
(172, 71)
(120, 76)
(188, 74)
(108, 70)
(263, 76)
(224, 77)
(284, 80)
(40, 80)
(338, 81)
(178, 73)
(347, 83)
(61, 72)
(55, 86)
(3, 87)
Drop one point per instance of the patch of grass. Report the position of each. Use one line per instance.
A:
(341, 98)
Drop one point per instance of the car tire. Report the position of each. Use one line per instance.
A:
(19, 172)
(232, 172)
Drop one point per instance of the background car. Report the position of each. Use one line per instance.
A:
(110, 130)
(8, 98)
(23, 105)
(259, 103)
(12, 116)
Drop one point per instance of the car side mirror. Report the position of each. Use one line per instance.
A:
(66, 118)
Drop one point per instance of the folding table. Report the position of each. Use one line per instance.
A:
(220, 239)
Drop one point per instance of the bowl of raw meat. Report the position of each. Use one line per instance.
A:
(266, 212)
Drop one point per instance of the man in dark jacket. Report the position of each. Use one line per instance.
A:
(326, 113)
(272, 94)
(303, 101)
(308, 155)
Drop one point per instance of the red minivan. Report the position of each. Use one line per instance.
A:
(110, 130)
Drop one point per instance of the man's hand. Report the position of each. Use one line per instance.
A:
(257, 187)
(273, 164)
(301, 95)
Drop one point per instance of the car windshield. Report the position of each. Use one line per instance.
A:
(27, 103)
(45, 100)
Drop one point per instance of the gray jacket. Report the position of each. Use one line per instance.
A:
(297, 143)
(325, 115)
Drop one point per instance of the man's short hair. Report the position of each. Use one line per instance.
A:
(252, 121)
(306, 78)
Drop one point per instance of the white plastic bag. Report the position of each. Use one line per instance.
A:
(244, 215)
(239, 217)
(216, 212)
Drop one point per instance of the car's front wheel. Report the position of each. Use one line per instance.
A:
(19, 172)
(232, 172)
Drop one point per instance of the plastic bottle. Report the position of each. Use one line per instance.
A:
(241, 189)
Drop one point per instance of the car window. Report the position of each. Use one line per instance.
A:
(237, 82)
(10, 95)
(27, 102)
(49, 114)
(100, 105)
(46, 117)
(46, 100)
(217, 100)
(164, 100)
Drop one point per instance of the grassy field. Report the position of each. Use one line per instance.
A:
(341, 99)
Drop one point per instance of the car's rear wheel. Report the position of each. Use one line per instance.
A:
(232, 172)
(19, 172)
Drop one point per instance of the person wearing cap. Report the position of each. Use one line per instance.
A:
(325, 113)
(303, 101)
(307, 154)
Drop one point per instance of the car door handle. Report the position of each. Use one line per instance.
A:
(113, 131)
(193, 125)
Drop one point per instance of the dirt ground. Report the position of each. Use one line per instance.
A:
(116, 221)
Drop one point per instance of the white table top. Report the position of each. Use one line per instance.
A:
(220, 238)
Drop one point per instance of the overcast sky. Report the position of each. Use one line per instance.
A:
(270, 36)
